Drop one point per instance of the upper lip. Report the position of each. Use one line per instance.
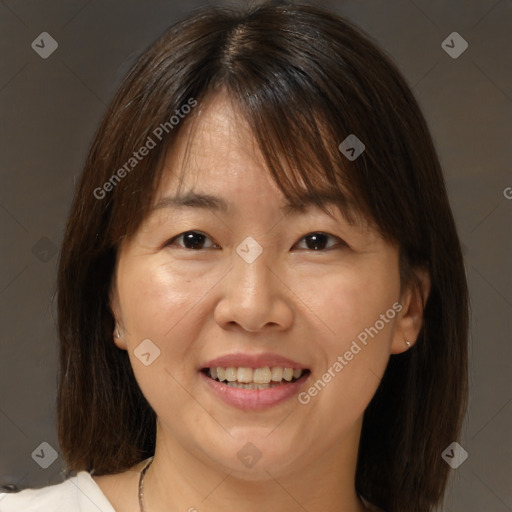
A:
(252, 361)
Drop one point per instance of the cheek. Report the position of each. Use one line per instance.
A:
(167, 306)
(345, 303)
(355, 315)
(154, 297)
(158, 304)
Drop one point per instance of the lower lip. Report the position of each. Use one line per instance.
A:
(254, 399)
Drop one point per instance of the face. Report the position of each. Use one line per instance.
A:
(261, 289)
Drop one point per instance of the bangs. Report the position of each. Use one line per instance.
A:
(300, 151)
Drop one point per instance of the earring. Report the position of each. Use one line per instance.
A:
(118, 334)
(408, 343)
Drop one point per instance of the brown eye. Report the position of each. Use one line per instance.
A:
(191, 240)
(318, 241)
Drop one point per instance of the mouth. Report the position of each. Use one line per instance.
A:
(261, 378)
(253, 382)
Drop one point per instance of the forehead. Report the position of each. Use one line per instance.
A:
(215, 161)
(217, 145)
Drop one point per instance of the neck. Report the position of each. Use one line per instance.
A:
(181, 481)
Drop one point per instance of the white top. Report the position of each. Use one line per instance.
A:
(79, 493)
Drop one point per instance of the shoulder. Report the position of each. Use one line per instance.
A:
(79, 493)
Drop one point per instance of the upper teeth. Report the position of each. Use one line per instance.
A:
(263, 375)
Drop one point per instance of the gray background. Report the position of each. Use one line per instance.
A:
(51, 107)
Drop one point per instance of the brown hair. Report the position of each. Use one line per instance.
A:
(304, 79)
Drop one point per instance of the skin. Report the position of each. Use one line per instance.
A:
(308, 305)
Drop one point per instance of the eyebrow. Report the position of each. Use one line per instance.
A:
(206, 201)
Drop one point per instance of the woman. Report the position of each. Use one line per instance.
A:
(262, 297)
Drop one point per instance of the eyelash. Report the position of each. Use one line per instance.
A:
(341, 243)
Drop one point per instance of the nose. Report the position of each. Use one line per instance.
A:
(255, 297)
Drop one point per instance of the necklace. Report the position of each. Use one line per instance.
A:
(146, 467)
(141, 484)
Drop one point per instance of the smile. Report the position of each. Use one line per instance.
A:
(254, 388)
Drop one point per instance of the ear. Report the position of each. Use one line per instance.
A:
(410, 318)
(116, 314)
